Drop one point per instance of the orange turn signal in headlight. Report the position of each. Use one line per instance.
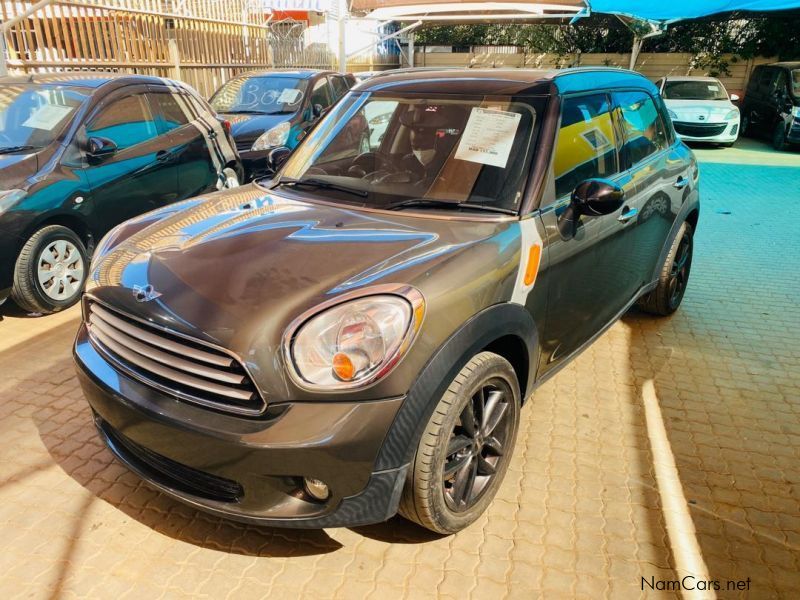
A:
(532, 268)
(343, 367)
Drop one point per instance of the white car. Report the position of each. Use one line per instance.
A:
(701, 109)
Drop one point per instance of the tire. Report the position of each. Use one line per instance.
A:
(779, 136)
(52, 245)
(668, 294)
(430, 498)
(747, 123)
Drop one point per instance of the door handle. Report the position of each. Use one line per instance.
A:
(680, 183)
(212, 135)
(163, 156)
(627, 214)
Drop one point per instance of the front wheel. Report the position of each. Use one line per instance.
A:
(779, 136)
(668, 294)
(464, 452)
(50, 270)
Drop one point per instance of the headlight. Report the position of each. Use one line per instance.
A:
(734, 114)
(9, 198)
(796, 112)
(672, 115)
(276, 136)
(355, 342)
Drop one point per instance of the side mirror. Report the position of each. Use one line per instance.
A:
(735, 97)
(100, 147)
(276, 158)
(595, 197)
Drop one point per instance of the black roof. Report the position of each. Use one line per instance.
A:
(787, 65)
(505, 82)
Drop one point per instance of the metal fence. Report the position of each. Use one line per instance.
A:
(202, 42)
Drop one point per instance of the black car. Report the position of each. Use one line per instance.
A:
(771, 106)
(376, 320)
(268, 109)
(80, 153)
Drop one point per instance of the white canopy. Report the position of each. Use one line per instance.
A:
(464, 12)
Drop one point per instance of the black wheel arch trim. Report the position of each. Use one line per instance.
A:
(490, 325)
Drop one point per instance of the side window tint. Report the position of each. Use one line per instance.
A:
(339, 86)
(173, 110)
(127, 122)
(766, 79)
(586, 146)
(779, 88)
(645, 133)
(320, 94)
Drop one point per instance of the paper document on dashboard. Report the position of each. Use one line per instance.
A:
(488, 137)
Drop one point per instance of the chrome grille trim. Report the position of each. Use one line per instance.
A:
(162, 360)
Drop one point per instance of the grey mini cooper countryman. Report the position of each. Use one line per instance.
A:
(357, 335)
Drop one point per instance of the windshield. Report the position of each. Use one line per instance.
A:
(263, 95)
(382, 151)
(695, 90)
(796, 82)
(32, 115)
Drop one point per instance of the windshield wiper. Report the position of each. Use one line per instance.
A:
(245, 111)
(10, 149)
(325, 185)
(448, 204)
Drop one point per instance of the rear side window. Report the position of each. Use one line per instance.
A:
(645, 132)
(339, 86)
(586, 146)
(320, 94)
(173, 110)
(765, 80)
(127, 122)
(755, 79)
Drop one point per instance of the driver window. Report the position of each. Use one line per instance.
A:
(320, 94)
(126, 122)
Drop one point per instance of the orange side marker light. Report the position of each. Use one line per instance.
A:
(532, 268)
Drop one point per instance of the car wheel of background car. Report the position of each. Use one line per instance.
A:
(779, 136)
(746, 121)
(50, 271)
(666, 297)
(465, 449)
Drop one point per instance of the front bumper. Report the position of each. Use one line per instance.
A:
(254, 163)
(720, 133)
(244, 468)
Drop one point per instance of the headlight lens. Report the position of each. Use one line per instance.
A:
(353, 343)
(734, 114)
(672, 115)
(276, 136)
(9, 198)
(796, 112)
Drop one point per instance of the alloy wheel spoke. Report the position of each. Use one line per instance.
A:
(495, 418)
(484, 466)
(458, 443)
(45, 276)
(464, 480)
(493, 445)
(454, 465)
(468, 419)
(60, 249)
(49, 256)
(76, 273)
(492, 398)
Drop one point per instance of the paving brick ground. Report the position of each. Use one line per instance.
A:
(581, 513)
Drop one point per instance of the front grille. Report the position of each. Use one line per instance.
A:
(187, 369)
(244, 145)
(168, 472)
(699, 129)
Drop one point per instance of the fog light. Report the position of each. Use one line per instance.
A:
(316, 489)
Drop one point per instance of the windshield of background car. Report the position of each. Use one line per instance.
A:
(263, 95)
(796, 82)
(33, 115)
(694, 90)
(390, 149)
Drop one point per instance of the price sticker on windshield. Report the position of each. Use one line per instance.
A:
(488, 137)
(289, 96)
(47, 117)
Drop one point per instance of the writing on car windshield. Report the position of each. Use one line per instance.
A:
(260, 95)
(694, 90)
(421, 152)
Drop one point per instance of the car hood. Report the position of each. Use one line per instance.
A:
(700, 111)
(249, 127)
(240, 265)
(16, 168)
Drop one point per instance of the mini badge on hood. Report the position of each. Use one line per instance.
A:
(145, 293)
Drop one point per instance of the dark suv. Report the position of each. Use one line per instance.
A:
(771, 105)
(357, 335)
(82, 152)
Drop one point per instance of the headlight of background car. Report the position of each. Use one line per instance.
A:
(9, 198)
(796, 112)
(672, 115)
(276, 136)
(353, 343)
(734, 114)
